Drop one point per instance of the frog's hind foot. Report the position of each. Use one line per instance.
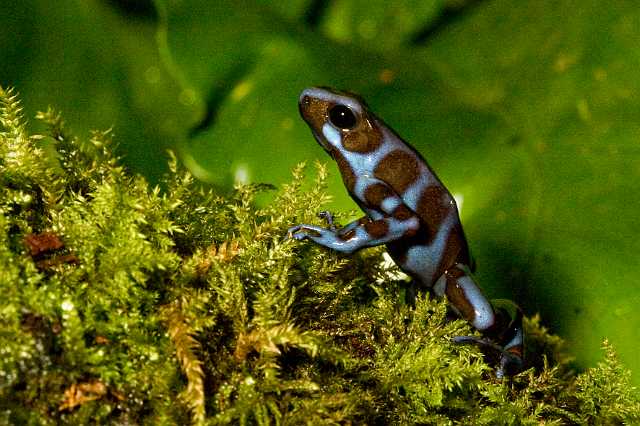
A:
(511, 361)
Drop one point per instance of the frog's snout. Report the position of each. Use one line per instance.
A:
(303, 103)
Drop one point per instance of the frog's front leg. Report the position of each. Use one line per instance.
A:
(500, 320)
(361, 233)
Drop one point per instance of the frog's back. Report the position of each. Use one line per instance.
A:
(440, 241)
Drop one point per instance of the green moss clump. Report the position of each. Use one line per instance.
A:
(127, 304)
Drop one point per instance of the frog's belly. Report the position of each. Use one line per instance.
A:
(420, 261)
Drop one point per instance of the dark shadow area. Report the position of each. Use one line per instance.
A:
(315, 13)
(219, 93)
(450, 14)
(536, 285)
(18, 42)
(138, 9)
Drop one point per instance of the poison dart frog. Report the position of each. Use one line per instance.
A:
(409, 209)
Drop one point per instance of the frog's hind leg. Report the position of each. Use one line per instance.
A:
(511, 356)
(500, 321)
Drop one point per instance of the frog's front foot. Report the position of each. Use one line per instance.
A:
(511, 362)
(302, 232)
(325, 237)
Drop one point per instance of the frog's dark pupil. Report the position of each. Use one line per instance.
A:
(342, 117)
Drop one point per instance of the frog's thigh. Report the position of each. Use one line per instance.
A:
(465, 297)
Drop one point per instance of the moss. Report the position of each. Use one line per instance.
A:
(124, 303)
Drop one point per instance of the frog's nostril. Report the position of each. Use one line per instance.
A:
(304, 103)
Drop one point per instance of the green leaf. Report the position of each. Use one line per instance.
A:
(101, 68)
(528, 112)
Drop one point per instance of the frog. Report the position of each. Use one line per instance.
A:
(409, 210)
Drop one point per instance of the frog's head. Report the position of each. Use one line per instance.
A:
(340, 121)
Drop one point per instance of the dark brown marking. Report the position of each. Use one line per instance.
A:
(42, 243)
(310, 232)
(399, 169)
(348, 176)
(347, 235)
(58, 260)
(455, 273)
(410, 233)
(364, 220)
(361, 348)
(455, 251)
(377, 228)
(374, 194)
(455, 295)
(398, 252)
(101, 340)
(434, 206)
(516, 350)
(505, 325)
(402, 212)
(365, 137)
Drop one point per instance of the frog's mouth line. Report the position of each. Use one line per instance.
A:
(323, 143)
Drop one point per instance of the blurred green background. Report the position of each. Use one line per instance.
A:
(528, 110)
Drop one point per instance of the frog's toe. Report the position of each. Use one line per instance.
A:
(294, 232)
(473, 340)
(510, 365)
(510, 362)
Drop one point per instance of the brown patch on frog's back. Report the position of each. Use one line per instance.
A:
(434, 205)
(399, 169)
(366, 137)
(434, 208)
(377, 228)
(375, 193)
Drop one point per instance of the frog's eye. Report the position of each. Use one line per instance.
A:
(342, 117)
